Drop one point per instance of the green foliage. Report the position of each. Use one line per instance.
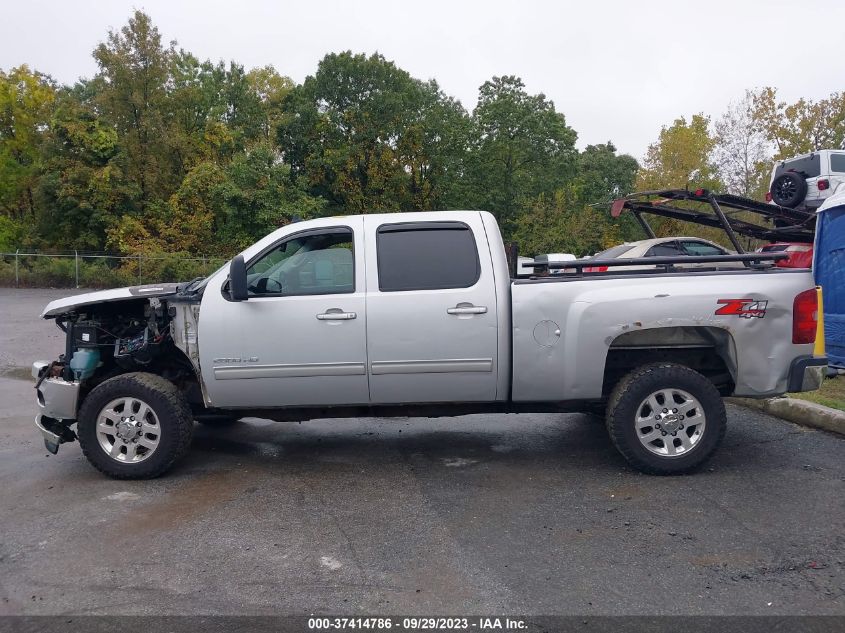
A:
(84, 188)
(681, 157)
(257, 196)
(12, 233)
(26, 100)
(161, 152)
(131, 89)
(366, 136)
(522, 148)
(803, 126)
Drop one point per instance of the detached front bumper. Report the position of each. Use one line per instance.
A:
(807, 373)
(57, 401)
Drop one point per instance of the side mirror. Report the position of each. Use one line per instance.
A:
(237, 279)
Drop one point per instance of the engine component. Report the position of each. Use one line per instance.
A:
(84, 362)
(128, 346)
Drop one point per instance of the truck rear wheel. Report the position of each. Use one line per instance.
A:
(134, 426)
(666, 419)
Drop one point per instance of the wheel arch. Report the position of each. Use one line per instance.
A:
(709, 350)
(174, 365)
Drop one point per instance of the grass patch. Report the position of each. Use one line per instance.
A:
(832, 394)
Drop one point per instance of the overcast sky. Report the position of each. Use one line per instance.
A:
(617, 70)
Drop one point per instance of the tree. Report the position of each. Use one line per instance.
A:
(258, 196)
(742, 152)
(431, 151)
(131, 94)
(681, 157)
(800, 127)
(271, 89)
(194, 107)
(26, 102)
(366, 136)
(84, 189)
(560, 223)
(604, 175)
(523, 148)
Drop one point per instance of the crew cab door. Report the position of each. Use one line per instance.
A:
(431, 310)
(300, 337)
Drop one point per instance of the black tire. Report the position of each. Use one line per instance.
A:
(174, 419)
(789, 189)
(624, 407)
(217, 421)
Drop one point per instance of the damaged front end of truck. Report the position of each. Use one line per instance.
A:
(150, 328)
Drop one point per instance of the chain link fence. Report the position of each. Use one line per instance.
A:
(99, 270)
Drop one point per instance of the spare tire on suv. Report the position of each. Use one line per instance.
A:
(789, 189)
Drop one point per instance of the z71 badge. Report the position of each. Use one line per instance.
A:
(745, 308)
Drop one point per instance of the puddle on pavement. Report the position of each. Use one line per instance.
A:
(16, 373)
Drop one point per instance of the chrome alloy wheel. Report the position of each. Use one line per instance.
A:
(670, 422)
(128, 430)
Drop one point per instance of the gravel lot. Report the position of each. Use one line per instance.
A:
(531, 514)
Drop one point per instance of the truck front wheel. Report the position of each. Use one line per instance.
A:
(666, 419)
(134, 426)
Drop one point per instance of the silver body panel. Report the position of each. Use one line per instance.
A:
(420, 348)
(57, 398)
(275, 351)
(543, 340)
(70, 304)
(592, 313)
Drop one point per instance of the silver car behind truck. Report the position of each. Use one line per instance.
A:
(418, 314)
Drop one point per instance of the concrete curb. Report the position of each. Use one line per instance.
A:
(798, 411)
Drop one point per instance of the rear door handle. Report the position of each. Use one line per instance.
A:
(336, 314)
(466, 308)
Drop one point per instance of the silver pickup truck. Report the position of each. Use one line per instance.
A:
(419, 314)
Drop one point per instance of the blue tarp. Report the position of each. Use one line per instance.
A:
(829, 267)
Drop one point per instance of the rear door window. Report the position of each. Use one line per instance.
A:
(837, 162)
(426, 256)
(698, 249)
(807, 166)
(669, 249)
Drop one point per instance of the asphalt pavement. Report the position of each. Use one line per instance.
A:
(529, 514)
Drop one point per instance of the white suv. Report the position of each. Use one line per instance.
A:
(806, 181)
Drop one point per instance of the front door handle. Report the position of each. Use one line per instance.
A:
(466, 308)
(336, 314)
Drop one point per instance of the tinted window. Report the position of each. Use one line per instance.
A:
(669, 249)
(315, 263)
(837, 162)
(807, 166)
(612, 253)
(698, 249)
(426, 256)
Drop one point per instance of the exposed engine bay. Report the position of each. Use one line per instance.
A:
(124, 336)
(126, 333)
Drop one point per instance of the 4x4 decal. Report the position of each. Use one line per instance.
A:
(745, 308)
